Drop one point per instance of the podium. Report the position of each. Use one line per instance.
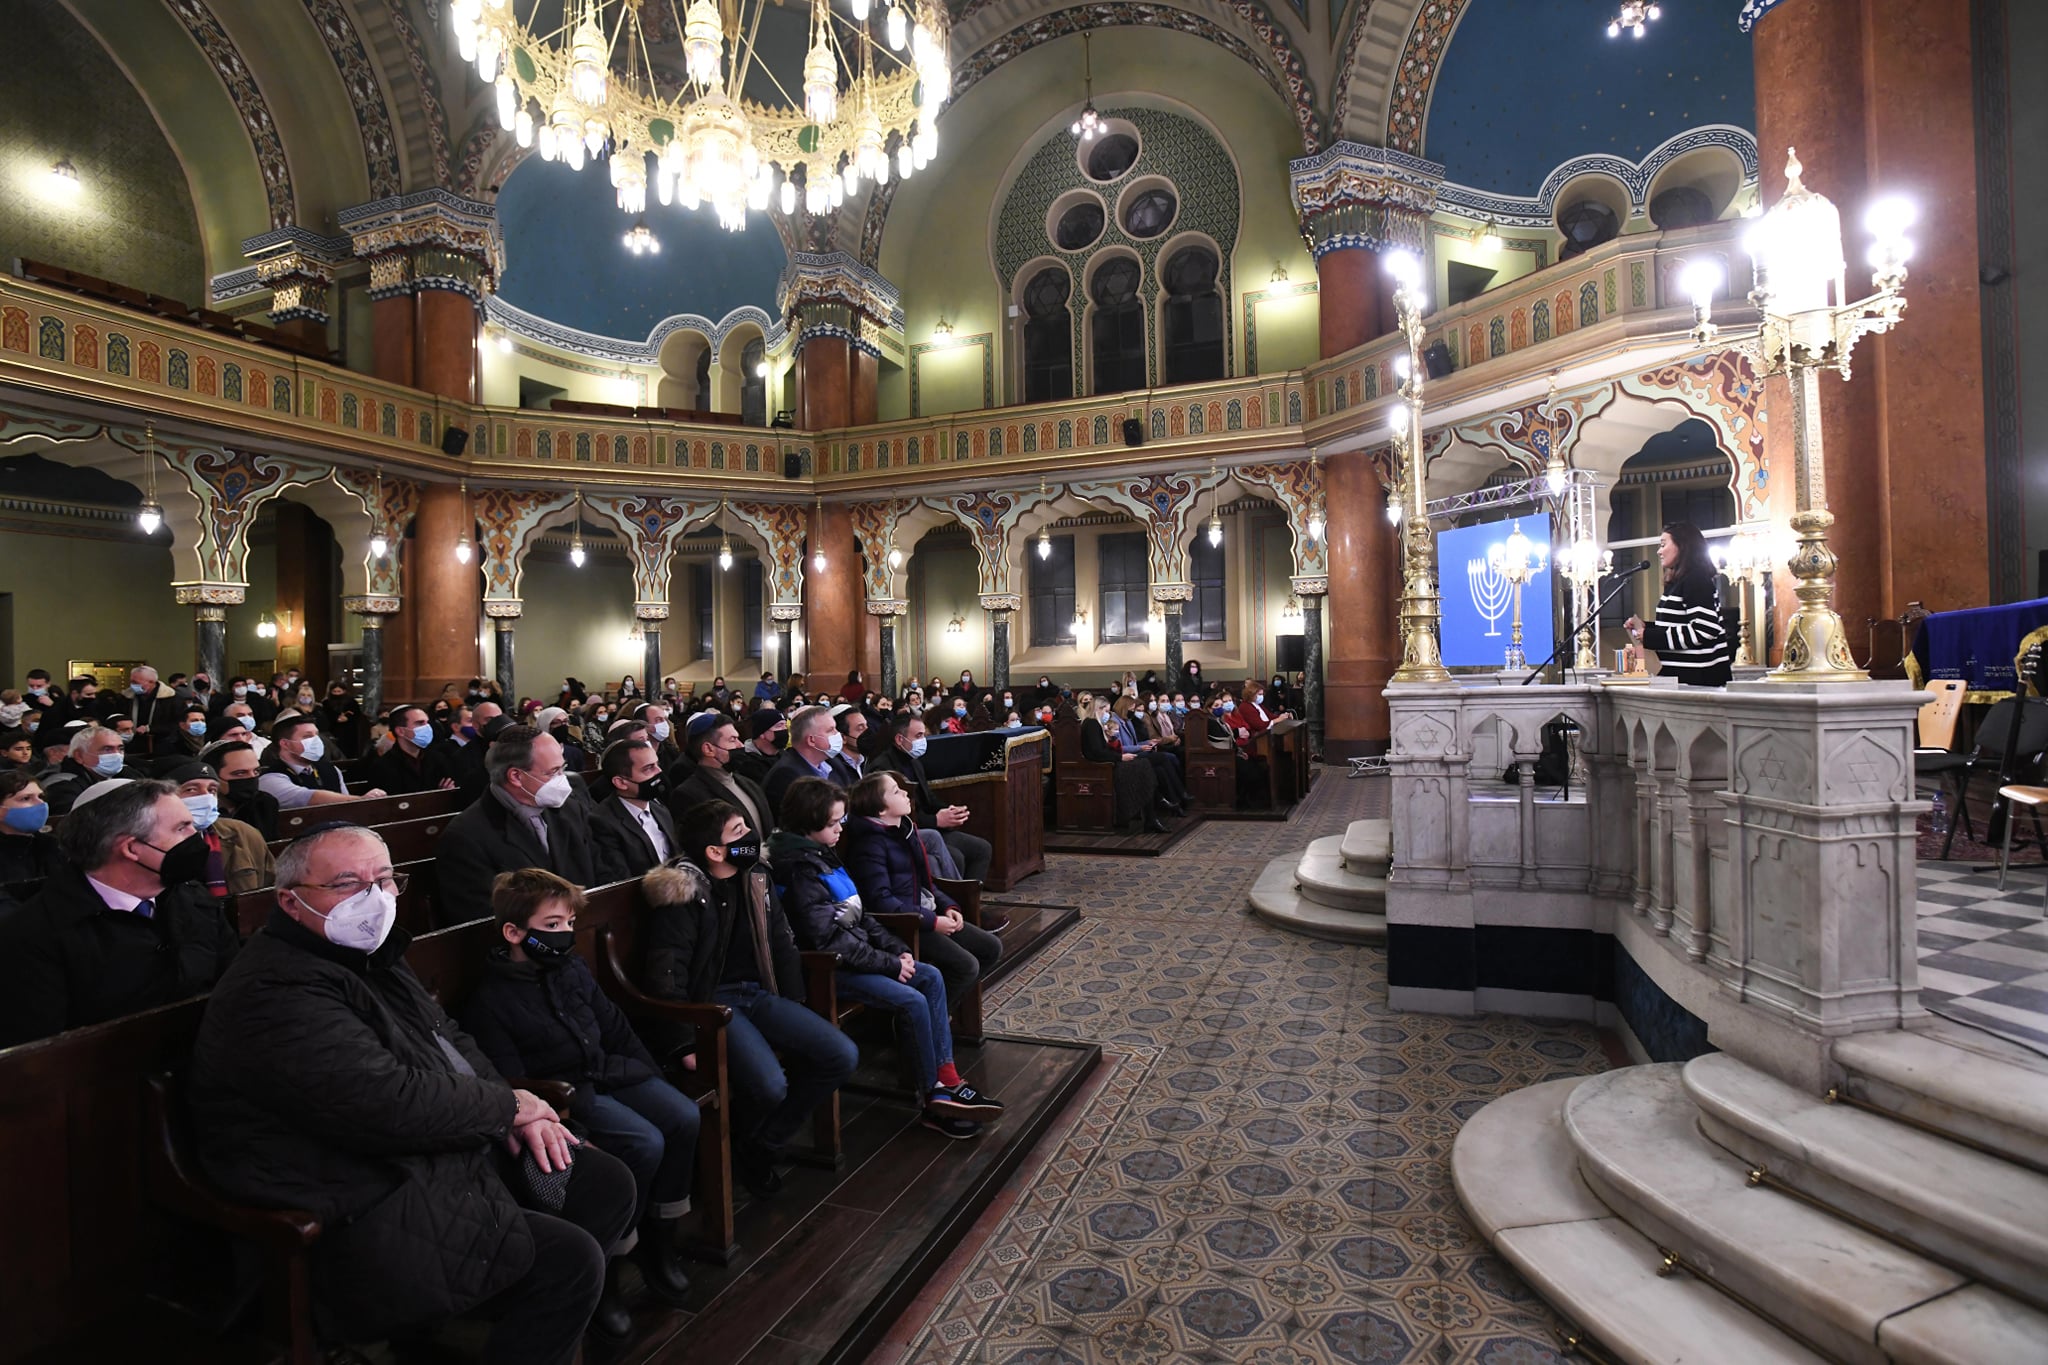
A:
(999, 775)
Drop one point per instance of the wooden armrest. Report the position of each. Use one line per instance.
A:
(821, 989)
(619, 985)
(904, 925)
(967, 894)
(174, 1185)
(557, 1095)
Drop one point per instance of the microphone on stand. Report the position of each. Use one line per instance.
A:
(1632, 569)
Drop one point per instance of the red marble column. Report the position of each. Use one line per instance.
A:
(824, 384)
(443, 595)
(1364, 581)
(1876, 97)
(833, 602)
(392, 349)
(447, 345)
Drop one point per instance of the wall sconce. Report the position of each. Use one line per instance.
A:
(1487, 236)
(1079, 625)
(943, 329)
(63, 180)
(1290, 616)
(266, 628)
(1279, 275)
(956, 626)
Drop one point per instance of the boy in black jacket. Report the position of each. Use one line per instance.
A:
(540, 1013)
(874, 965)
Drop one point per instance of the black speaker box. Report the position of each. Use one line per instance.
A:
(1290, 653)
(1134, 432)
(792, 465)
(1437, 361)
(454, 440)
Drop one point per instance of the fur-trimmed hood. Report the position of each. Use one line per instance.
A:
(675, 883)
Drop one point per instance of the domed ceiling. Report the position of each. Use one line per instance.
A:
(1526, 86)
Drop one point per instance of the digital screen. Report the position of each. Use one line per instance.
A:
(1478, 602)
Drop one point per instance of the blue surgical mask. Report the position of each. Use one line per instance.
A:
(242, 721)
(109, 765)
(27, 819)
(196, 728)
(917, 747)
(1228, 707)
(137, 688)
(39, 691)
(960, 708)
(313, 749)
(835, 742)
(1260, 699)
(205, 809)
(422, 735)
(660, 731)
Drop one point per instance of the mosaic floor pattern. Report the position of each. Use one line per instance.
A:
(1262, 1173)
(1984, 952)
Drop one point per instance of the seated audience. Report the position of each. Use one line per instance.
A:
(632, 826)
(18, 751)
(769, 731)
(526, 818)
(296, 769)
(706, 774)
(1136, 782)
(814, 747)
(1252, 713)
(875, 967)
(889, 865)
(418, 759)
(855, 690)
(28, 851)
(956, 854)
(127, 924)
(540, 1014)
(188, 739)
(1173, 795)
(94, 755)
(717, 935)
(852, 724)
(661, 729)
(80, 702)
(325, 1078)
(237, 857)
(242, 795)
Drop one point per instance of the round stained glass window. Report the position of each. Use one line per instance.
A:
(1079, 226)
(1150, 212)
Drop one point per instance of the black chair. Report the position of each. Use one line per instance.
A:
(2009, 747)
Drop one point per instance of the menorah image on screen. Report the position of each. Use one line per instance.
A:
(1478, 599)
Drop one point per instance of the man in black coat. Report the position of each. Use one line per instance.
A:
(706, 774)
(632, 826)
(126, 926)
(529, 816)
(814, 744)
(957, 854)
(768, 731)
(325, 1078)
(418, 760)
(94, 755)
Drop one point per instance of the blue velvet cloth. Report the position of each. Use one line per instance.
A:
(1978, 644)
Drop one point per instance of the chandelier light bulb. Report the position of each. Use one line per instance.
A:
(1394, 511)
(895, 558)
(1316, 527)
(860, 10)
(465, 42)
(508, 104)
(724, 554)
(149, 516)
(545, 140)
(577, 554)
(1405, 268)
(1044, 543)
(1402, 367)
(379, 546)
(522, 127)
(490, 47)
(788, 197)
(896, 27)
(572, 151)
(641, 241)
(1215, 532)
(703, 43)
(587, 58)
(463, 550)
(1555, 477)
(1700, 281)
(821, 82)
(849, 183)
(906, 161)
(818, 561)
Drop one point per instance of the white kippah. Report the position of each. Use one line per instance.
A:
(99, 789)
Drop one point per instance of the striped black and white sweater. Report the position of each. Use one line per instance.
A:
(1690, 635)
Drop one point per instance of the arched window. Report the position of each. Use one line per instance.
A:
(1117, 330)
(1194, 317)
(1048, 337)
(753, 384)
(704, 401)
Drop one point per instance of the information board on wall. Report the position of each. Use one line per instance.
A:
(1478, 601)
(110, 674)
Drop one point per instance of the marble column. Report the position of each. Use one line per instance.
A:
(504, 616)
(1000, 606)
(443, 595)
(1312, 669)
(785, 649)
(650, 637)
(885, 612)
(373, 609)
(211, 628)
(1877, 99)
(1173, 640)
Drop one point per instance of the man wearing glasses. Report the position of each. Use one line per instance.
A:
(325, 1078)
(529, 816)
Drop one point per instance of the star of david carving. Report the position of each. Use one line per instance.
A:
(1772, 769)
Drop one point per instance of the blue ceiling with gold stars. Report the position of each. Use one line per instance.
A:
(1529, 84)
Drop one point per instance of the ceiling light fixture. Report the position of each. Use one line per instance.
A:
(1216, 514)
(577, 554)
(64, 177)
(150, 515)
(1635, 16)
(724, 540)
(818, 560)
(641, 241)
(1089, 125)
(380, 544)
(593, 89)
(1045, 531)
(463, 549)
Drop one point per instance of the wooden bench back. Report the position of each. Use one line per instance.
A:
(415, 904)
(382, 810)
(1084, 793)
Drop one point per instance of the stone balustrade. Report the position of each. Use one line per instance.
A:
(1730, 868)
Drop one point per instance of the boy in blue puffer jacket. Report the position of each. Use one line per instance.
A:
(875, 967)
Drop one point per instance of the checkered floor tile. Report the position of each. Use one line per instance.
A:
(1984, 952)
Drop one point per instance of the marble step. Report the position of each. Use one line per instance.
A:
(1517, 1174)
(1368, 847)
(1976, 1087)
(1321, 877)
(1276, 899)
(1852, 1294)
(1967, 1209)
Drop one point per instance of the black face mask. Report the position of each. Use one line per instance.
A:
(654, 788)
(550, 947)
(184, 861)
(560, 732)
(744, 854)
(245, 789)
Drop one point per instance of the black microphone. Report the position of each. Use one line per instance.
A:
(1624, 573)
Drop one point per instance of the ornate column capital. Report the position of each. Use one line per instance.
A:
(887, 606)
(650, 611)
(504, 608)
(211, 594)
(1310, 585)
(370, 606)
(1173, 594)
(299, 268)
(832, 294)
(786, 612)
(1352, 195)
(429, 239)
(1002, 601)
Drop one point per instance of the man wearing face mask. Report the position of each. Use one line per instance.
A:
(94, 755)
(769, 731)
(633, 824)
(955, 854)
(152, 705)
(814, 749)
(242, 796)
(525, 818)
(237, 858)
(128, 925)
(706, 774)
(414, 762)
(184, 743)
(325, 1078)
(661, 729)
(297, 771)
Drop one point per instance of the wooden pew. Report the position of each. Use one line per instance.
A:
(1006, 806)
(1211, 767)
(382, 810)
(409, 840)
(1084, 793)
(250, 909)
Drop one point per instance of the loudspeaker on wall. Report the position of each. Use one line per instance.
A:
(454, 440)
(1134, 432)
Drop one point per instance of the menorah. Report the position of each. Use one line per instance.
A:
(1491, 591)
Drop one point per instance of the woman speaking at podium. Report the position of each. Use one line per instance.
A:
(1690, 636)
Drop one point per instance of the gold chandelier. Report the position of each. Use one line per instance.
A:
(588, 90)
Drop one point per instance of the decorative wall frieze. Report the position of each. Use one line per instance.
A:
(621, 351)
(365, 96)
(1162, 504)
(1297, 485)
(654, 528)
(1351, 195)
(508, 522)
(991, 518)
(781, 527)
(226, 487)
(874, 526)
(401, 499)
(226, 61)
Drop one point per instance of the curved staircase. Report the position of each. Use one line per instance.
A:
(1336, 888)
(1705, 1211)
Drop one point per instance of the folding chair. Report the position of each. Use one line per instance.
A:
(2033, 798)
(2009, 746)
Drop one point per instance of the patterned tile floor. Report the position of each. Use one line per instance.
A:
(1983, 952)
(1261, 1171)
